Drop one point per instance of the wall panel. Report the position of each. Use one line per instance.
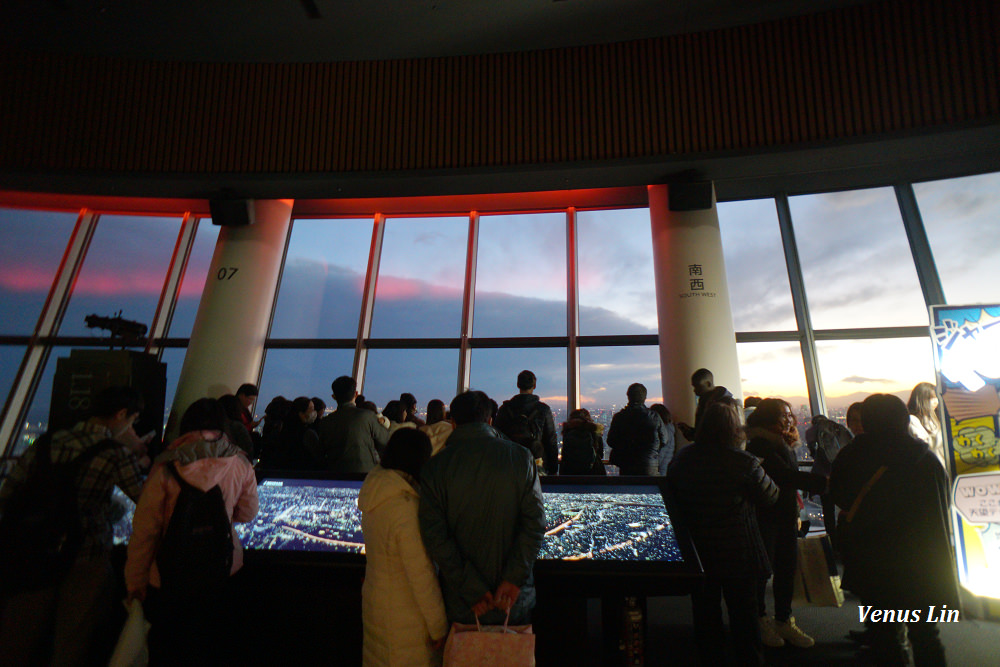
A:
(877, 68)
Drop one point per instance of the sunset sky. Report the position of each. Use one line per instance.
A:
(856, 263)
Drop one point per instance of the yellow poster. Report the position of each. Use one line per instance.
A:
(967, 357)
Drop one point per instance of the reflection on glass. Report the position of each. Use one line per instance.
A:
(32, 244)
(615, 272)
(856, 260)
(426, 374)
(759, 295)
(960, 216)
(124, 270)
(495, 372)
(37, 418)
(193, 280)
(323, 279)
(521, 276)
(775, 370)
(853, 369)
(10, 360)
(294, 373)
(421, 278)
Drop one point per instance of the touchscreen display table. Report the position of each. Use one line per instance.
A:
(615, 522)
(605, 533)
(610, 530)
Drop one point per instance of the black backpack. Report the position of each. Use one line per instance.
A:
(195, 556)
(578, 453)
(525, 429)
(41, 530)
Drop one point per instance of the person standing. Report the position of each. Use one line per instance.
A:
(924, 421)
(73, 610)
(718, 487)
(894, 497)
(772, 435)
(190, 629)
(528, 421)
(482, 518)
(636, 436)
(350, 437)
(401, 605)
(703, 384)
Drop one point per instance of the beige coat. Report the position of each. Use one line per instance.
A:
(438, 432)
(402, 608)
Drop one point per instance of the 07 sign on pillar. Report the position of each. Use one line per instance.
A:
(226, 273)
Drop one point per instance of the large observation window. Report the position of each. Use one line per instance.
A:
(37, 418)
(426, 374)
(521, 276)
(124, 270)
(294, 373)
(495, 372)
(853, 369)
(323, 279)
(606, 372)
(33, 245)
(961, 216)
(759, 295)
(856, 261)
(615, 272)
(775, 370)
(193, 280)
(421, 278)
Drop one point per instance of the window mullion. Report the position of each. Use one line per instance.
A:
(807, 340)
(920, 247)
(368, 301)
(468, 304)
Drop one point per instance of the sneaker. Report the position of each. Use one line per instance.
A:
(792, 634)
(768, 634)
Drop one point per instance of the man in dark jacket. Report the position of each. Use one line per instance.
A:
(524, 419)
(636, 435)
(703, 384)
(482, 518)
(350, 437)
(894, 530)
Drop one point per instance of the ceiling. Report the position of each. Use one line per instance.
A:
(335, 30)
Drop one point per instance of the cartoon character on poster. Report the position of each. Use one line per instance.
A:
(967, 355)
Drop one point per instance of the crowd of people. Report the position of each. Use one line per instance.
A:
(453, 515)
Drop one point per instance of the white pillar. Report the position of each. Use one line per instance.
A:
(227, 341)
(692, 302)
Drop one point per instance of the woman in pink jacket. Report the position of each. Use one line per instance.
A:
(189, 628)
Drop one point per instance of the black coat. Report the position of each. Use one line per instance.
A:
(717, 491)
(781, 465)
(635, 437)
(896, 546)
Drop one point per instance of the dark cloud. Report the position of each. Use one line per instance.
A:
(857, 379)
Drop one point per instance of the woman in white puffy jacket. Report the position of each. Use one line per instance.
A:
(402, 608)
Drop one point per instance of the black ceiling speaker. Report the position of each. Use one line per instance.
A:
(690, 196)
(232, 212)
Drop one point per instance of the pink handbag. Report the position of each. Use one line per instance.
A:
(490, 645)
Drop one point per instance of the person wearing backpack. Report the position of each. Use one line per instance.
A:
(70, 600)
(583, 446)
(183, 550)
(528, 421)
